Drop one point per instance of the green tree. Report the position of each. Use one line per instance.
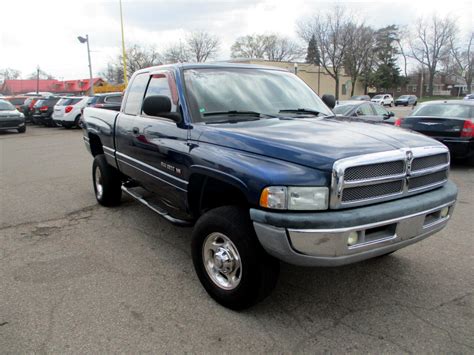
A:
(312, 55)
(387, 74)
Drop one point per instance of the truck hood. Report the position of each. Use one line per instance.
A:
(313, 142)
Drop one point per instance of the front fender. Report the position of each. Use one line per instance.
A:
(251, 173)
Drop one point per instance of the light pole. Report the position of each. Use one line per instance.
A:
(37, 79)
(124, 53)
(86, 40)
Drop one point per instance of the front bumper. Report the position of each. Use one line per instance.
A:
(320, 239)
(11, 124)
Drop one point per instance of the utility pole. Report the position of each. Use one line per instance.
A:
(124, 53)
(37, 79)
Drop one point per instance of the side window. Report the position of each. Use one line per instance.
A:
(364, 110)
(135, 94)
(379, 110)
(116, 99)
(163, 84)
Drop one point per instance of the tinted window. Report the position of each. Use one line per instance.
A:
(379, 110)
(92, 100)
(440, 110)
(160, 85)
(135, 94)
(364, 110)
(74, 101)
(377, 97)
(63, 102)
(115, 99)
(343, 110)
(17, 101)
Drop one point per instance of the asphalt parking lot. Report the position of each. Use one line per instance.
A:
(76, 277)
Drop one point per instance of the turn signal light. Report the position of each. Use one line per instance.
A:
(468, 129)
(398, 122)
(68, 109)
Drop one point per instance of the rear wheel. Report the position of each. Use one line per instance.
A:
(107, 182)
(77, 122)
(228, 259)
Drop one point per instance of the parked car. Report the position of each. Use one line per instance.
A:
(67, 111)
(27, 107)
(450, 122)
(406, 100)
(11, 118)
(43, 111)
(361, 97)
(469, 97)
(258, 162)
(110, 101)
(16, 101)
(383, 99)
(366, 111)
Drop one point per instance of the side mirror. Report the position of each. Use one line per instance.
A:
(329, 100)
(160, 106)
(388, 115)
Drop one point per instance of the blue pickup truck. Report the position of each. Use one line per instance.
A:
(262, 168)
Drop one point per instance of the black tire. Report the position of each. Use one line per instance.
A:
(22, 129)
(259, 271)
(406, 104)
(77, 122)
(109, 180)
(68, 126)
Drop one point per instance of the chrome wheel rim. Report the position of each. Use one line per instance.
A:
(222, 261)
(99, 188)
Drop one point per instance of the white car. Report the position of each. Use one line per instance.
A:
(469, 97)
(67, 111)
(383, 99)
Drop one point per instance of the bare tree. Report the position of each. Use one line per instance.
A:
(250, 46)
(9, 74)
(41, 74)
(139, 57)
(431, 42)
(361, 41)
(331, 32)
(177, 53)
(202, 45)
(266, 46)
(401, 41)
(281, 49)
(463, 55)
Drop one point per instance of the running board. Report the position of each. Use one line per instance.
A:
(162, 212)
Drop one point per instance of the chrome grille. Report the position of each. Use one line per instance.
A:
(374, 170)
(372, 191)
(426, 180)
(372, 178)
(429, 161)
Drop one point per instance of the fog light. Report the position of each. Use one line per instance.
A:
(444, 212)
(353, 238)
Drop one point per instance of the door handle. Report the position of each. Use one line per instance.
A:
(135, 130)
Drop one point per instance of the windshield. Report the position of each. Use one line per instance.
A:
(378, 97)
(6, 106)
(404, 97)
(343, 109)
(440, 110)
(243, 90)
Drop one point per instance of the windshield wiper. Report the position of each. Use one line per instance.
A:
(233, 113)
(234, 120)
(301, 110)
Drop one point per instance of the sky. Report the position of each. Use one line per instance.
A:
(44, 33)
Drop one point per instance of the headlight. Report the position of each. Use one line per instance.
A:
(308, 198)
(22, 115)
(295, 198)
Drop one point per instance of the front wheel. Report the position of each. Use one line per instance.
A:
(22, 129)
(107, 182)
(229, 261)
